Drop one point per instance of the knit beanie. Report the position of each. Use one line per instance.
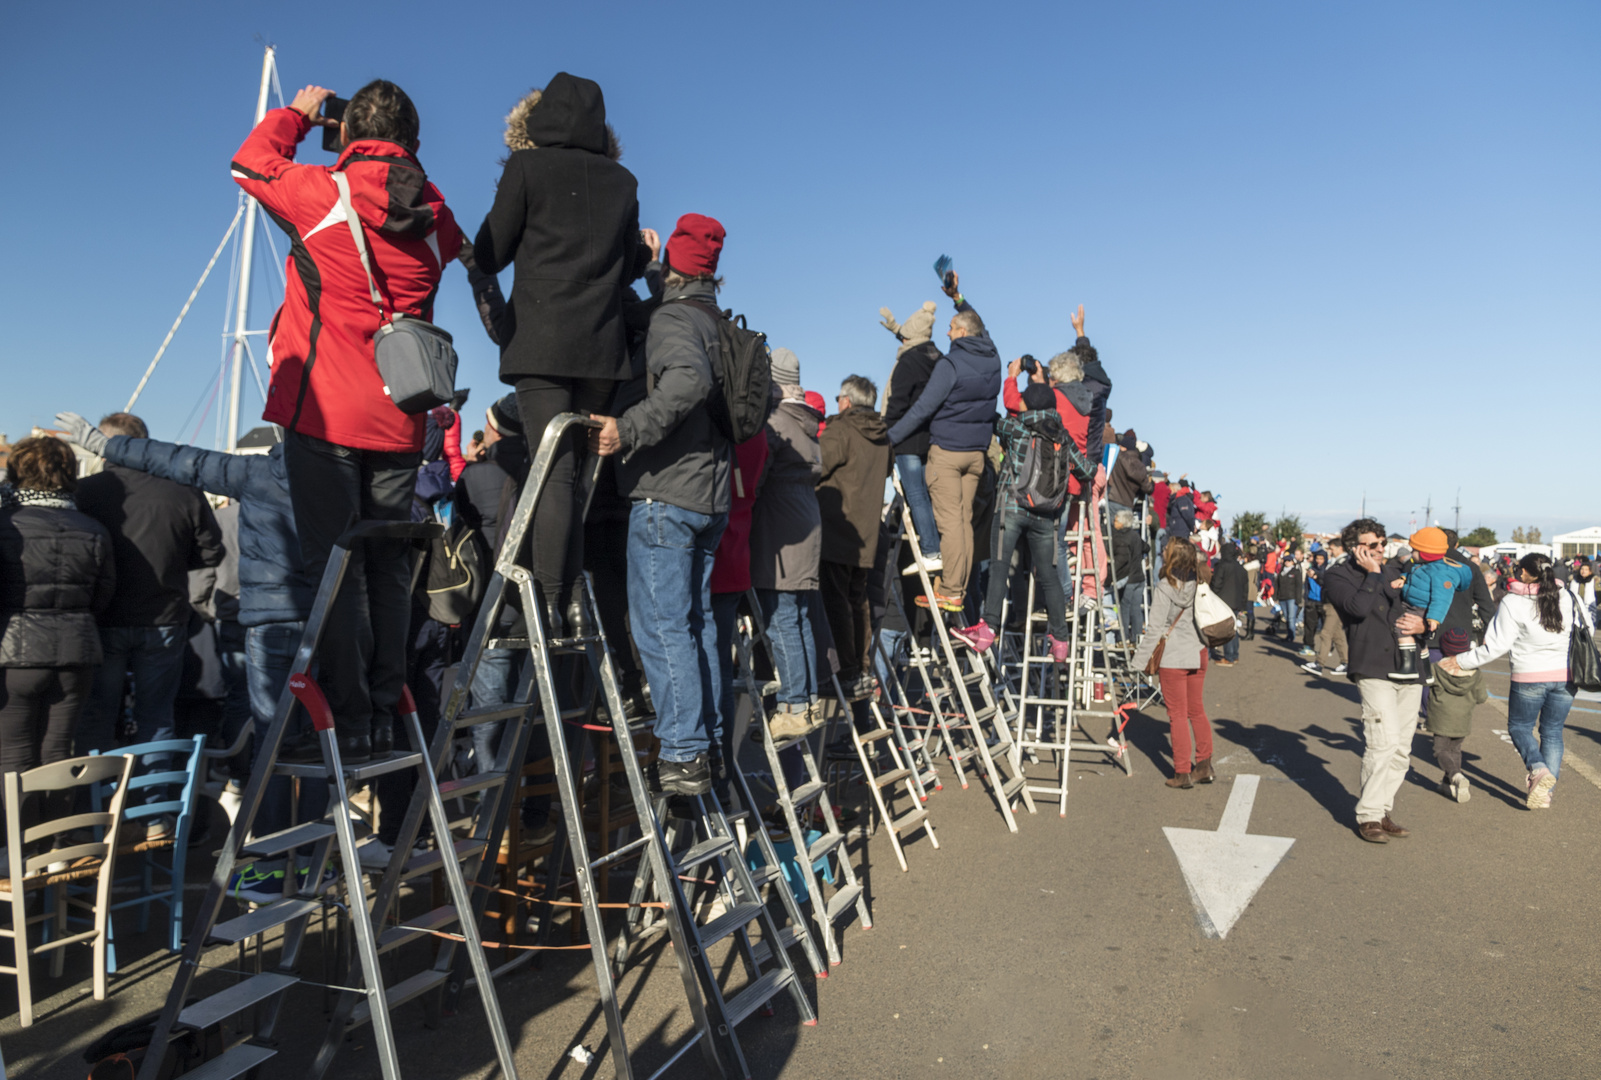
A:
(1038, 397)
(785, 367)
(696, 245)
(1455, 642)
(504, 418)
(1429, 541)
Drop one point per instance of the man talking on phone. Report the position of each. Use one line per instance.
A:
(349, 452)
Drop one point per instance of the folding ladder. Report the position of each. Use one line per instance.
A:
(1088, 663)
(263, 993)
(896, 698)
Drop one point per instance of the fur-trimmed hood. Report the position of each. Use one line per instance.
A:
(569, 112)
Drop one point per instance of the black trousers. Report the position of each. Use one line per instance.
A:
(362, 659)
(39, 709)
(558, 545)
(850, 619)
(1312, 621)
(429, 652)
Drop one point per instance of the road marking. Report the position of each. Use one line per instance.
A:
(1224, 868)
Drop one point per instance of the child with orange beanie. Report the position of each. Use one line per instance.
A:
(1431, 583)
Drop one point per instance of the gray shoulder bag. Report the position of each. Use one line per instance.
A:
(416, 359)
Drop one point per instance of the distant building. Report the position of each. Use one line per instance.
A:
(1583, 542)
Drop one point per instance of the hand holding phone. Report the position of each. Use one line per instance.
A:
(333, 114)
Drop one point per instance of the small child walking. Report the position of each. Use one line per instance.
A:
(1450, 718)
(1432, 581)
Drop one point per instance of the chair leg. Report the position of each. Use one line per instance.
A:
(175, 908)
(58, 957)
(19, 943)
(108, 935)
(147, 875)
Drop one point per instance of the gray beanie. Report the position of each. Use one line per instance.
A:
(786, 367)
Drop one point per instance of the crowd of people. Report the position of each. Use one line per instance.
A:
(683, 520)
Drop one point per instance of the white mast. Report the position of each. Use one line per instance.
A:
(246, 251)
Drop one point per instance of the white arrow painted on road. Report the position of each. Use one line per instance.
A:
(1225, 868)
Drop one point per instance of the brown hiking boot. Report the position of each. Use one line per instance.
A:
(1203, 771)
(1179, 780)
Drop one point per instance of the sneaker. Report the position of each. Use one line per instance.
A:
(693, 777)
(1225, 663)
(861, 688)
(1308, 652)
(787, 724)
(1340, 669)
(978, 637)
(159, 829)
(946, 603)
(1312, 667)
(375, 854)
(933, 564)
(1540, 784)
(1058, 649)
(1460, 791)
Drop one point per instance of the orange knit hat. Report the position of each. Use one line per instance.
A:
(1429, 541)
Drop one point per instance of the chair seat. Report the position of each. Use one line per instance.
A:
(86, 867)
(166, 843)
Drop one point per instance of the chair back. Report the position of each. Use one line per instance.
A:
(181, 774)
(64, 776)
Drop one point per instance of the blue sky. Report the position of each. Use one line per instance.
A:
(1323, 249)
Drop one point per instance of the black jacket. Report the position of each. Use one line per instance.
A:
(159, 532)
(1368, 608)
(1181, 515)
(1460, 616)
(569, 217)
(850, 495)
(1129, 479)
(906, 382)
(1229, 579)
(1290, 585)
(56, 575)
(1128, 556)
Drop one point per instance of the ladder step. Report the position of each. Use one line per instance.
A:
(758, 994)
(842, 901)
(237, 998)
(999, 746)
(264, 847)
(396, 936)
(452, 789)
(313, 770)
(824, 845)
(236, 1061)
(261, 920)
(740, 917)
(806, 793)
(984, 713)
(704, 852)
(765, 875)
(1013, 786)
(435, 860)
(402, 992)
(890, 777)
(875, 735)
(787, 936)
(963, 755)
(909, 820)
(490, 713)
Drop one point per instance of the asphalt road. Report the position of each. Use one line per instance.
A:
(1073, 948)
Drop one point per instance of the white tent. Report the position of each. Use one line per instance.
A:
(1583, 542)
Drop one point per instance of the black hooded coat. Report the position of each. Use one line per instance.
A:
(567, 214)
(1229, 578)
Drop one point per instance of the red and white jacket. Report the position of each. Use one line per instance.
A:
(325, 382)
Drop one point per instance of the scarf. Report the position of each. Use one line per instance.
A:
(1522, 588)
(14, 496)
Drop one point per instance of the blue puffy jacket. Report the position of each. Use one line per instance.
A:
(273, 583)
(959, 399)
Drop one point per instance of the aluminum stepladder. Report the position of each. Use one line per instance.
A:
(264, 992)
(958, 676)
(796, 803)
(1088, 642)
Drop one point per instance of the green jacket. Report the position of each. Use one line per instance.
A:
(1451, 702)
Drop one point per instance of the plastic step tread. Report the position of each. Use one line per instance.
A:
(277, 843)
(704, 852)
(824, 845)
(261, 920)
(842, 901)
(402, 992)
(741, 916)
(909, 820)
(235, 999)
(396, 936)
(758, 994)
(890, 777)
(787, 936)
(236, 1061)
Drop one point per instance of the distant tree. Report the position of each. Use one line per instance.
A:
(1531, 535)
(1250, 523)
(1289, 527)
(1518, 536)
(1481, 537)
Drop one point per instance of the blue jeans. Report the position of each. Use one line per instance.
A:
(1133, 611)
(496, 682)
(270, 655)
(1040, 532)
(154, 654)
(670, 555)
(1231, 649)
(788, 616)
(1291, 609)
(1545, 702)
(910, 467)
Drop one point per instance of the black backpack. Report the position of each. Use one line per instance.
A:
(458, 573)
(741, 400)
(1044, 463)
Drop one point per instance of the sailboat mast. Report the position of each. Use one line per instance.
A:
(247, 245)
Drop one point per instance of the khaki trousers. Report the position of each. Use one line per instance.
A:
(1330, 636)
(1389, 720)
(952, 481)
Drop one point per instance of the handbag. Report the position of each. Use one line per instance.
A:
(1214, 619)
(416, 359)
(1584, 666)
(1155, 662)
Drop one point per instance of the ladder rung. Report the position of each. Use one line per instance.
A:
(875, 735)
(999, 746)
(469, 717)
(1013, 786)
(452, 789)
(787, 936)
(963, 755)
(277, 843)
(236, 1061)
(704, 852)
(396, 936)
(909, 820)
(890, 777)
(984, 713)
(824, 845)
(974, 676)
(841, 902)
(434, 860)
(365, 771)
(261, 920)
(758, 994)
(237, 998)
(765, 875)
(402, 992)
(806, 793)
(742, 915)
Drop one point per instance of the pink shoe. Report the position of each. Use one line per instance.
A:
(1058, 649)
(978, 637)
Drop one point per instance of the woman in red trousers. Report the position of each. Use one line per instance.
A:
(1182, 669)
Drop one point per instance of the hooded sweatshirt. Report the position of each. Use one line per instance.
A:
(568, 215)
(850, 495)
(1229, 579)
(325, 380)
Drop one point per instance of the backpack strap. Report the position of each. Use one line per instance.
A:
(710, 309)
(342, 182)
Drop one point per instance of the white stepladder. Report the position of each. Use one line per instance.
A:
(1091, 680)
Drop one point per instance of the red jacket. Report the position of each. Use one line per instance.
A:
(325, 382)
(1076, 423)
(1204, 511)
(731, 566)
(1160, 495)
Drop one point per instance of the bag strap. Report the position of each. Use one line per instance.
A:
(342, 182)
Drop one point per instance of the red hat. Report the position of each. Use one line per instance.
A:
(696, 243)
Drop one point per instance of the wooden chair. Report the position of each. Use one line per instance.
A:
(59, 784)
(517, 855)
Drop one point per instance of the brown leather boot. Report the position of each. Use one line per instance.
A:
(1180, 780)
(1203, 771)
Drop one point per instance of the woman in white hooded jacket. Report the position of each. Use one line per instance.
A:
(1533, 623)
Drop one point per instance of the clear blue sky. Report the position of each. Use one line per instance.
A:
(1323, 249)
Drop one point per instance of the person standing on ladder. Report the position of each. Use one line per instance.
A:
(349, 451)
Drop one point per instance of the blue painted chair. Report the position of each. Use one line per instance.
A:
(155, 883)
